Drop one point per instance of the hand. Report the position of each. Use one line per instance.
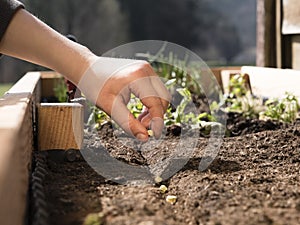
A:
(109, 83)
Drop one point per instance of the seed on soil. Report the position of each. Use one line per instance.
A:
(150, 133)
(171, 199)
(158, 179)
(163, 188)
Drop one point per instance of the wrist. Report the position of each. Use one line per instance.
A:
(81, 59)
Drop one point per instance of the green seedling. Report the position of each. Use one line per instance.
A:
(240, 99)
(283, 110)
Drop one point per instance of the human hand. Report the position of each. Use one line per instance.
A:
(109, 82)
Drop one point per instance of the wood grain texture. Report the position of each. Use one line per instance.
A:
(60, 126)
(266, 33)
(16, 137)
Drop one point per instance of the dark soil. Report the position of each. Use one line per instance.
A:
(255, 179)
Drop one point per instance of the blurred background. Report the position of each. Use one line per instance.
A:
(222, 33)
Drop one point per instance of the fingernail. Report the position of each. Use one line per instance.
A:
(142, 137)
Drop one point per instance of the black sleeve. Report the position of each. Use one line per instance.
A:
(7, 10)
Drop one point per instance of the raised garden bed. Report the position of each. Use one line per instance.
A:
(255, 178)
(18, 138)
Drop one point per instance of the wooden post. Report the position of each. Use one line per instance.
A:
(266, 33)
(60, 126)
(278, 34)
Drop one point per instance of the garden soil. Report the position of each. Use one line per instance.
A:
(255, 179)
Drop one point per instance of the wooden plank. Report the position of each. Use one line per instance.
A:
(60, 126)
(278, 34)
(272, 82)
(291, 17)
(16, 138)
(266, 33)
(27, 84)
(15, 157)
(296, 52)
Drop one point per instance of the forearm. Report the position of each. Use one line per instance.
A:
(30, 39)
(108, 83)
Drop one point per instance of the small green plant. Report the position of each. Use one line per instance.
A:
(135, 106)
(97, 117)
(175, 115)
(284, 110)
(60, 90)
(94, 219)
(240, 99)
(178, 115)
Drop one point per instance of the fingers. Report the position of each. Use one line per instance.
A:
(161, 90)
(150, 85)
(136, 77)
(122, 116)
(156, 101)
(154, 117)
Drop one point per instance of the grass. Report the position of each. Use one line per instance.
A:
(4, 88)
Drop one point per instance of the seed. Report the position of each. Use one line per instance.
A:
(96, 126)
(163, 188)
(158, 179)
(171, 199)
(150, 133)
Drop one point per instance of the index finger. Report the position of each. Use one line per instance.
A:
(155, 114)
(156, 101)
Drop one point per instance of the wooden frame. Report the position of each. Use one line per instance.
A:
(17, 110)
(18, 126)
